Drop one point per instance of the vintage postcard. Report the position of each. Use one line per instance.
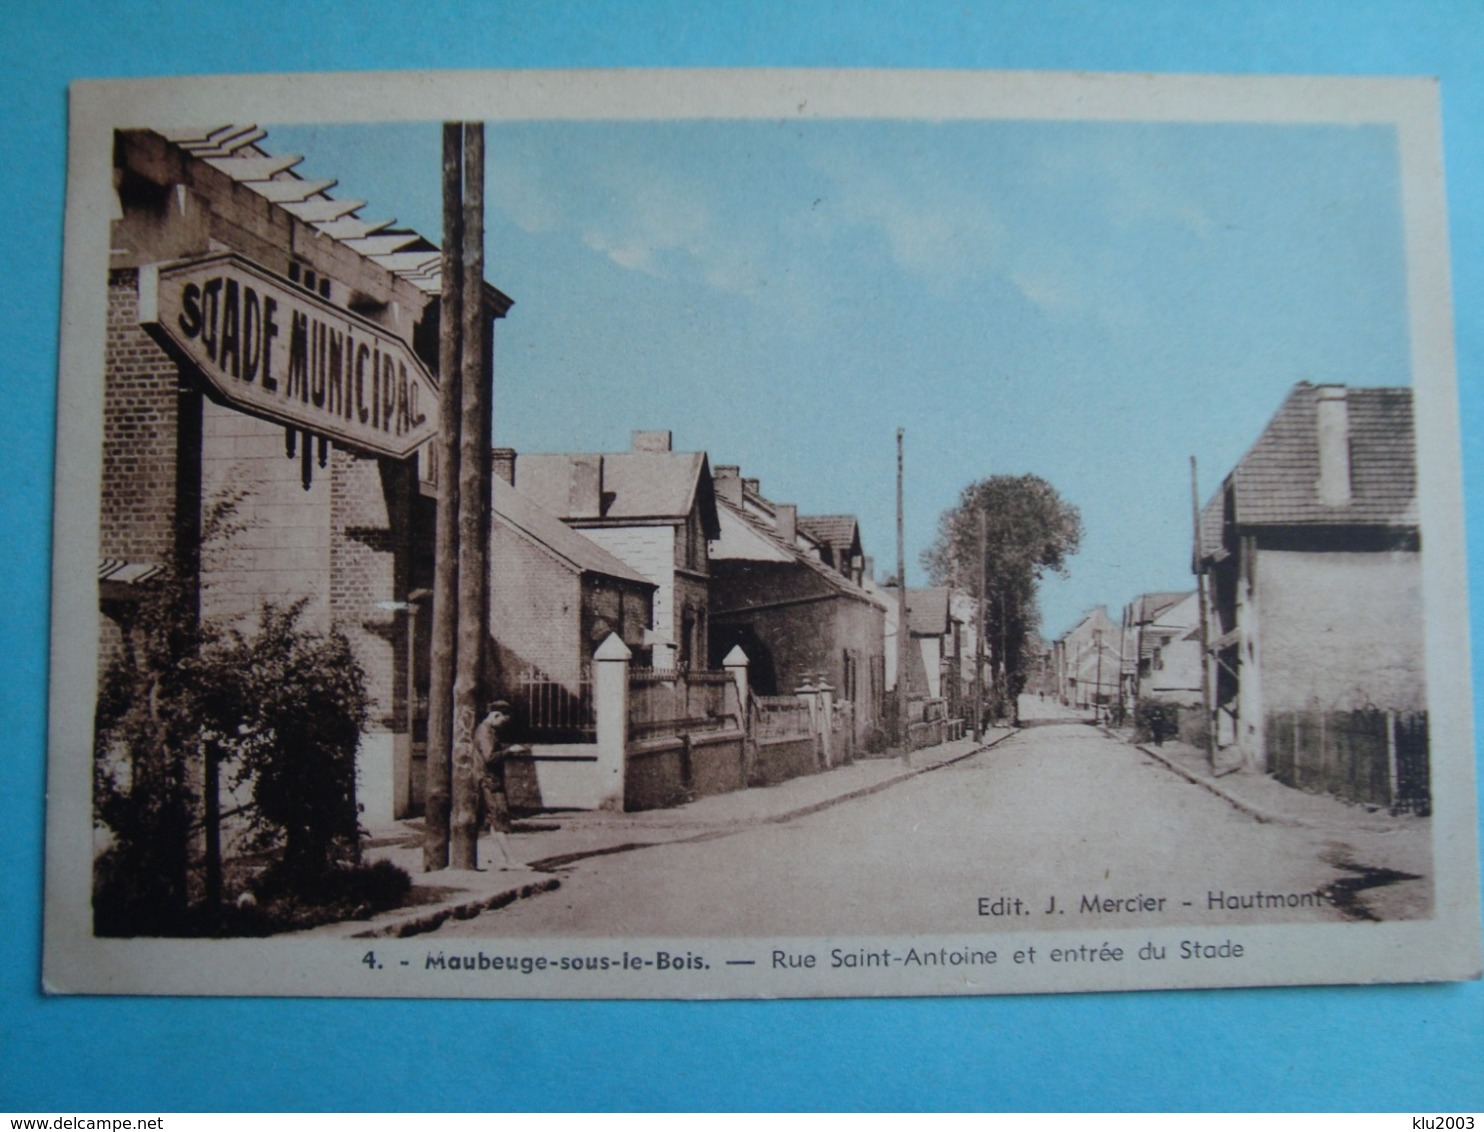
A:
(757, 534)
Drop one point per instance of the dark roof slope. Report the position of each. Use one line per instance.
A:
(833, 578)
(833, 530)
(927, 611)
(1150, 607)
(1276, 482)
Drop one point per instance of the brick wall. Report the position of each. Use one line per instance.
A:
(139, 435)
(535, 609)
(370, 559)
(651, 552)
(279, 547)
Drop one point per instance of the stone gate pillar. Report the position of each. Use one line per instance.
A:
(736, 664)
(826, 696)
(611, 707)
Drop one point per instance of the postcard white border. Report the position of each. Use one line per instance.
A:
(1444, 947)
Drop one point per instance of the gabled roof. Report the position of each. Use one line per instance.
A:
(1149, 608)
(742, 540)
(777, 550)
(927, 611)
(836, 531)
(1277, 482)
(545, 528)
(623, 485)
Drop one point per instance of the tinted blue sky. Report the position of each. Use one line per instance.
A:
(1092, 302)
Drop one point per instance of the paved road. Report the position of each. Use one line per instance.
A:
(1058, 826)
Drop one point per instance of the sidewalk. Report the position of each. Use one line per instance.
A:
(549, 842)
(1372, 843)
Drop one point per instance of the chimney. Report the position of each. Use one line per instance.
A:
(727, 479)
(502, 464)
(869, 571)
(787, 521)
(754, 486)
(650, 440)
(585, 488)
(1334, 446)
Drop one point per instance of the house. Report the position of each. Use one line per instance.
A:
(1089, 660)
(654, 510)
(1311, 551)
(1164, 647)
(555, 596)
(790, 592)
(837, 539)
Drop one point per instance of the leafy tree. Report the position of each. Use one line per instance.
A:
(146, 781)
(299, 703)
(1029, 530)
(283, 706)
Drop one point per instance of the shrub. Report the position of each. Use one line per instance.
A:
(1156, 721)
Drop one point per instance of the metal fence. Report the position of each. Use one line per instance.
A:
(1375, 757)
(678, 702)
(545, 710)
(780, 717)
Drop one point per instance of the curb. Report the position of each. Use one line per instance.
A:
(561, 859)
(434, 919)
(1206, 784)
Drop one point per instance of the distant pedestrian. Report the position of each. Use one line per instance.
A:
(494, 803)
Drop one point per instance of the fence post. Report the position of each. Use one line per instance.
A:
(827, 718)
(736, 664)
(805, 692)
(611, 709)
(1392, 783)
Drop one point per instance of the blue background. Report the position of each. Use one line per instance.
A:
(1404, 1048)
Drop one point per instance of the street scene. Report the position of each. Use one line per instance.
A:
(576, 557)
(1150, 847)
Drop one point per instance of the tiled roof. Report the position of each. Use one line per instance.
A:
(542, 526)
(237, 151)
(1277, 482)
(927, 611)
(832, 577)
(637, 485)
(833, 530)
(1150, 607)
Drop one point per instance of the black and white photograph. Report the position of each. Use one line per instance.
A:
(757, 534)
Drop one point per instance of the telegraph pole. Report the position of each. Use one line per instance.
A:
(1207, 699)
(979, 623)
(1097, 687)
(473, 512)
(904, 636)
(445, 539)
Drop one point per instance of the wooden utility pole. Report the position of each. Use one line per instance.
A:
(1097, 687)
(445, 540)
(1207, 699)
(904, 636)
(1123, 657)
(473, 516)
(979, 624)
